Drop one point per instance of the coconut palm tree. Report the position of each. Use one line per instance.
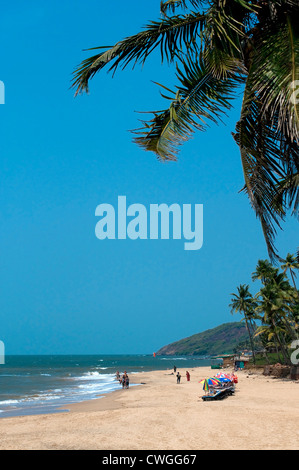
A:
(290, 264)
(266, 334)
(275, 312)
(218, 46)
(277, 306)
(243, 303)
(264, 271)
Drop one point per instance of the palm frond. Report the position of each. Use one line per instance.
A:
(261, 160)
(225, 26)
(170, 35)
(268, 130)
(199, 98)
(287, 194)
(274, 74)
(172, 5)
(219, 45)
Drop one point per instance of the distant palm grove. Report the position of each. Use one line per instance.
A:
(272, 314)
(217, 48)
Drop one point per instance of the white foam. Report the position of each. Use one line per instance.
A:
(90, 385)
(9, 402)
(94, 375)
(173, 359)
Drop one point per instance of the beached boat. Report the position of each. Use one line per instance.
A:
(219, 394)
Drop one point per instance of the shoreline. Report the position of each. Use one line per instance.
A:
(73, 379)
(162, 415)
(108, 400)
(76, 406)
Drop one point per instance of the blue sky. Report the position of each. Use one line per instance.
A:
(63, 291)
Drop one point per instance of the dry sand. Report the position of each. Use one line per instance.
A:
(161, 415)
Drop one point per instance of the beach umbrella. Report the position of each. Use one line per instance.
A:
(231, 377)
(210, 381)
(205, 385)
(224, 376)
(225, 379)
(214, 380)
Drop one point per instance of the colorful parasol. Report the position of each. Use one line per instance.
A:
(209, 382)
(223, 376)
(231, 377)
(205, 385)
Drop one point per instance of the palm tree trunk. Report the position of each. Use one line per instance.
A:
(266, 357)
(292, 332)
(250, 338)
(284, 353)
(293, 279)
(277, 352)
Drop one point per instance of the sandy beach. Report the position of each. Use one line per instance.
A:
(159, 414)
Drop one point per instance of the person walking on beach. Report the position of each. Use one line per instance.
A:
(188, 376)
(123, 380)
(174, 369)
(178, 378)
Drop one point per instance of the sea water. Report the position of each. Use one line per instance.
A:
(46, 384)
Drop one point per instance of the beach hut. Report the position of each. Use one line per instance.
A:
(241, 362)
(228, 360)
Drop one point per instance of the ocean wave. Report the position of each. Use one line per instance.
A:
(16, 375)
(173, 359)
(94, 375)
(9, 402)
(40, 397)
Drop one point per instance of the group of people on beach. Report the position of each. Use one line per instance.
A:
(178, 376)
(123, 380)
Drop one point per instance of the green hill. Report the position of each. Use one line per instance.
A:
(220, 340)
